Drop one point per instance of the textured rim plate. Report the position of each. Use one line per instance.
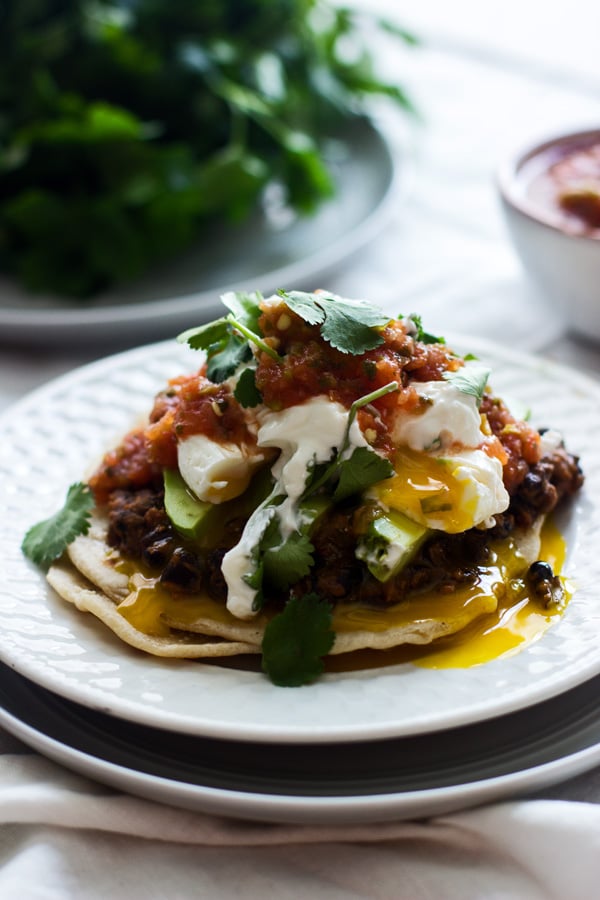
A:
(377, 781)
(261, 252)
(50, 439)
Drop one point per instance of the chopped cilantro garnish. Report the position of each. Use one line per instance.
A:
(244, 307)
(227, 340)
(360, 471)
(470, 380)
(47, 540)
(296, 640)
(288, 561)
(340, 461)
(348, 325)
(421, 334)
(226, 357)
(246, 392)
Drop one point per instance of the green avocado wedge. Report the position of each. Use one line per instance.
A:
(189, 515)
(390, 542)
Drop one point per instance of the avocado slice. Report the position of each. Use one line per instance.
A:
(187, 513)
(205, 522)
(390, 542)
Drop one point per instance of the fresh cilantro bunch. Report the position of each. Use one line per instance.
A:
(126, 128)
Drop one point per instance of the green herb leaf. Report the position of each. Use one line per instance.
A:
(348, 325)
(422, 335)
(288, 561)
(246, 392)
(225, 350)
(296, 640)
(360, 471)
(320, 475)
(245, 307)
(203, 337)
(47, 540)
(232, 353)
(470, 380)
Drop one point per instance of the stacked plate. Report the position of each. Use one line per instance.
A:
(395, 741)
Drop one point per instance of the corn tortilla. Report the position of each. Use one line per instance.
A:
(198, 627)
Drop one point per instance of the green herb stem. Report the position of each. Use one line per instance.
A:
(358, 404)
(254, 338)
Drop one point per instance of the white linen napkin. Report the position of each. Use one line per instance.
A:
(63, 836)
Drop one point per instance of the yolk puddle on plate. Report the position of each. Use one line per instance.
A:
(517, 621)
(493, 620)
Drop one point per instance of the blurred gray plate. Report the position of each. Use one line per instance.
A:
(396, 779)
(266, 253)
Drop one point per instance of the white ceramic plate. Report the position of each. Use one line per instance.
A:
(269, 252)
(358, 782)
(50, 439)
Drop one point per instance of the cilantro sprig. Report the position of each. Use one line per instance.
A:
(227, 340)
(47, 540)
(364, 466)
(296, 640)
(470, 380)
(349, 326)
(421, 335)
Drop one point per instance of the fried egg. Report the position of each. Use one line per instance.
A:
(450, 493)
(443, 478)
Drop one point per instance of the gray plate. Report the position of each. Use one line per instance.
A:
(355, 782)
(266, 253)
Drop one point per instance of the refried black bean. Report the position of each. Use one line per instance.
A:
(141, 529)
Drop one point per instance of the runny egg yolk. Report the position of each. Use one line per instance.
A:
(452, 492)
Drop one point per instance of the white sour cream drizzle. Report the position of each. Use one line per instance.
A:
(306, 434)
(451, 418)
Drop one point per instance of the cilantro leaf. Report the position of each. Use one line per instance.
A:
(289, 561)
(244, 307)
(470, 380)
(233, 352)
(225, 350)
(47, 540)
(246, 393)
(206, 336)
(346, 334)
(424, 336)
(296, 640)
(348, 325)
(360, 471)
(307, 306)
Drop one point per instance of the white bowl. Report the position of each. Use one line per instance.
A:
(562, 259)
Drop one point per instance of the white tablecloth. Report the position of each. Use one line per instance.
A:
(444, 254)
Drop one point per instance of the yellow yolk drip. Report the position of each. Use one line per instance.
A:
(426, 487)
(149, 607)
(512, 620)
(494, 617)
(509, 629)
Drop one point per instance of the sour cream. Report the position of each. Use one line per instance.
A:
(449, 416)
(216, 472)
(306, 434)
